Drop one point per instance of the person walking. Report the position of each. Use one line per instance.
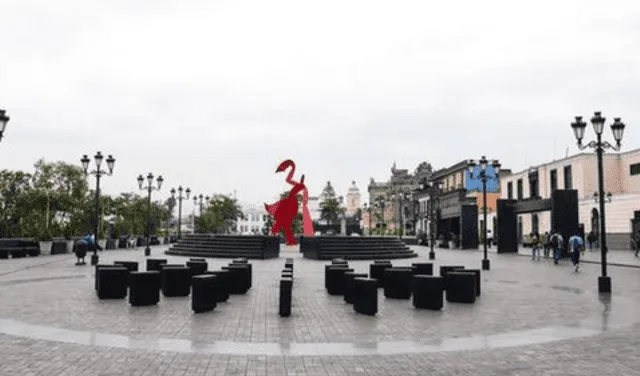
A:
(635, 243)
(535, 246)
(576, 245)
(546, 244)
(557, 243)
(591, 238)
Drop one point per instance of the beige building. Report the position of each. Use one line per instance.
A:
(580, 172)
(353, 199)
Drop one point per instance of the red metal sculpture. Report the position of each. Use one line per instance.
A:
(286, 210)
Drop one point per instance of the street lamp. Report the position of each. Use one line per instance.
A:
(617, 128)
(401, 198)
(434, 189)
(368, 208)
(4, 120)
(380, 204)
(149, 188)
(98, 172)
(180, 198)
(482, 175)
(596, 197)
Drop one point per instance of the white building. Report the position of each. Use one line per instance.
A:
(579, 172)
(254, 221)
(314, 208)
(353, 199)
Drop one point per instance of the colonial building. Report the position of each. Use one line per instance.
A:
(353, 200)
(254, 220)
(398, 194)
(579, 172)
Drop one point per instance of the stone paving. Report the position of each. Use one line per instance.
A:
(549, 318)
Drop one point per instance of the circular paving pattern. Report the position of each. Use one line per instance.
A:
(55, 306)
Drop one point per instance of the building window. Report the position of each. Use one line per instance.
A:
(634, 169)
(510, 190)
(520, 190)
(553, 177)
(568, 182)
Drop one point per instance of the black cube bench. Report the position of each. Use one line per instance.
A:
(365, 291)
(286, 293)
(175, 281)
(349, 277)
(376, 271)
(197, 267)
(203, 294)
(112, 282)
(132, 266)
(427, 291)
(101, 266)
(154, 264)
(444, 269)
(397, 283)
(222, 285)
(422, 268)
(478, 275)
(461, 287)
(144, 288)
(335, 279)
(238, 280)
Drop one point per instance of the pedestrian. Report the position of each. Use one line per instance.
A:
(557, 244)
(535, 246)
(546, 244)
(576, 245)
(591, 238)
(635, 244)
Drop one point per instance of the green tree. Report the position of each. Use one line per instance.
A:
(220, 216)
(330, 205)
(13, 185)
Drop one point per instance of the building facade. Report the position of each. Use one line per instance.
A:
(353, 200)
(255, 217)
(579, 172)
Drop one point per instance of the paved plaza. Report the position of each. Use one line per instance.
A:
(533, 318)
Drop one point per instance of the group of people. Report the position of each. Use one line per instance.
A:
(555, 242)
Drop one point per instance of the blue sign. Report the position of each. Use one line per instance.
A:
(475, 184)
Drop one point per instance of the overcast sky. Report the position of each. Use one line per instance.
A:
(214, 94)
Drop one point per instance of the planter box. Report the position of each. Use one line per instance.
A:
(45, 247)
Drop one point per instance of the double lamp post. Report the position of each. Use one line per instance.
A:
(149, 188)
(98, 173)
(482, 175)
(180, 198)
(617, 128)
(200, 203)
(434, 189)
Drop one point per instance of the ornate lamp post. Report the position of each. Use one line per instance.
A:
(380, 204)
(180, 198)
(368, 208)
(98, 172)
(4, 120)
(596, 197)
(401, 197)
(482, 175)
(433, 188)
(149, 188)
(617, 128)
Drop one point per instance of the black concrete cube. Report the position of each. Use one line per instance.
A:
(444, 269)
(247, 270)
(286, 294)
(376, 271)
(222, 285)
(198, 259)
(112, 282)
(238, 278)
(154, 264)
(144, 288)
(397, 283)
(132, 266)
(427, 291)
(478, 275)
(461, 287)
(100, 266)
(175, 281)
(422, 268)
(203, 293)
(241, 260)
(365, 291)
(335, 279)
(197, 267)
(348, 285)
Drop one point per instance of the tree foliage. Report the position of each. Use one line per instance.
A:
(220, 216)
(55, 201)
(330, 205)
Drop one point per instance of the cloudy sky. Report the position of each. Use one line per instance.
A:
(214, 94)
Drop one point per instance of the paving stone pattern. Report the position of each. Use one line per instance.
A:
(517, 294)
